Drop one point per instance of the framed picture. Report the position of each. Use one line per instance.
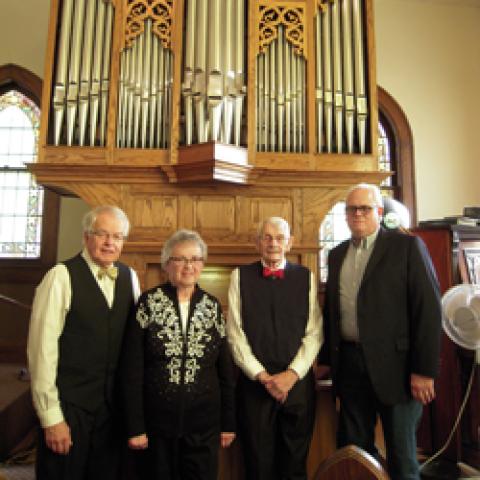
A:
(469, 262)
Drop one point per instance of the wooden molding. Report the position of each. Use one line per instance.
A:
(212, 161)
(21, 79)
(395, 120)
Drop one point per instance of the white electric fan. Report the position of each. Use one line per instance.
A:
(461, 322)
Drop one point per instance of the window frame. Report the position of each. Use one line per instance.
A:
(14, 77)
(395, 122)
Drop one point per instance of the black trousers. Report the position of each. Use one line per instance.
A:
(276, 437)
(190, 457)
(95, 452)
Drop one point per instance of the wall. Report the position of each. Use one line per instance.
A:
(23, 36)
(70, 233)
(427, 57)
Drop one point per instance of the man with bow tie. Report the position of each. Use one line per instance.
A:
(274, 330)
(76, 331)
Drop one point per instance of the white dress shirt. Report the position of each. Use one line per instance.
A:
(50, 308)
(241, 350)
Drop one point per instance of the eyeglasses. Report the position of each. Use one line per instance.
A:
(362, 209)
(271, 238)
(185, 261)
(103, 235)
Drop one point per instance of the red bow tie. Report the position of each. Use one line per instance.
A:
(269, 273)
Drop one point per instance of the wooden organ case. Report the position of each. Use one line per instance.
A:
(210, 115)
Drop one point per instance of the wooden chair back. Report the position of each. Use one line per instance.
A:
(351, 463)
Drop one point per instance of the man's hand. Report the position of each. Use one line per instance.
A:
(139, 442)
(58, 438)
(226, 439)
(422, 388)
(266, 380)
(281, 383)
(263, 377)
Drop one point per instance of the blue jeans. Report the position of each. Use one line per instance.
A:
(359, 408)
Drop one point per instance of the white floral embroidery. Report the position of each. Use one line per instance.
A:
(204, 318)
(160, 309)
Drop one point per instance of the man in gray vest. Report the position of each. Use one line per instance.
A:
(76, 331)
(274, 330)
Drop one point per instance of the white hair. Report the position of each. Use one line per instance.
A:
(90, 218)
(182, 236)
(377, 195)
(278, 222)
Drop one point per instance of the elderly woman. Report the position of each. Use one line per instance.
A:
(178, 383)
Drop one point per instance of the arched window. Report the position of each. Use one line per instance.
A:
(21, 199)
(395, 153)
(28, 214)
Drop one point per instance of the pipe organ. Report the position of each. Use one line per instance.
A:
(210, 115)
(283, 76)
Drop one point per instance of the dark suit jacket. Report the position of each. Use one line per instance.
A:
(398, 312)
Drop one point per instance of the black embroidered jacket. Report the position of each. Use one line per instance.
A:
(174, 383)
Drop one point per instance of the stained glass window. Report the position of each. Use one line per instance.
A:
(334, 229)
(21, 199)
(384, 155)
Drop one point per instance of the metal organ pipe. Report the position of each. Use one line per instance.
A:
(82, 72)
(341, 62)
(145, 92)
(216, 84)
(281, 81)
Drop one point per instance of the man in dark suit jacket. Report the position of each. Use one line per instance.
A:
(382, 322)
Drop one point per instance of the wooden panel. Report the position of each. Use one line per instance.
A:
(439, 244)
(214, 214)
(154, 275)
(153, 215)
(261, 208)
(215, 280)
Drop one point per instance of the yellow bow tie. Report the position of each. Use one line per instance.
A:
(111, 272)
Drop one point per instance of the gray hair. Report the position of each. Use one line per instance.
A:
(279, 222)
(377, 195)
(182, 236)
(90, 218)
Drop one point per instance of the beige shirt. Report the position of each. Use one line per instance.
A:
(351, 275)
(50, 308)
(241, 350)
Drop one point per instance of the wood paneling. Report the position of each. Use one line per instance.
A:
(214, 214)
